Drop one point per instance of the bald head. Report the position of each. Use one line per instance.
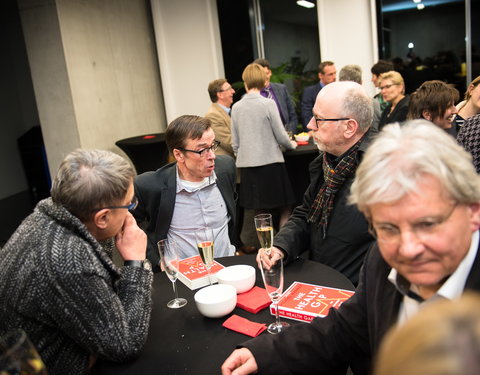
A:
(342, 114)
(349, 100)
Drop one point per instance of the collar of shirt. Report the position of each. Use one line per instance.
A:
(264, 91)
(226, 109)
(190, 186)
(453, 287)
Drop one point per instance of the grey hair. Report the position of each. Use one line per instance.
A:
(351, 73)
(400, 157)
(90, 179)
(358, 105)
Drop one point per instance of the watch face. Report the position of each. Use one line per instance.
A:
(147, 265)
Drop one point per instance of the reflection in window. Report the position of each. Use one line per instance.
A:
(426, 42)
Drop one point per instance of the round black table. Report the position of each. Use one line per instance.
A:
(147, 152)
(184, 342)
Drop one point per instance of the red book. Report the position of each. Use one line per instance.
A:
(193, 273)
(304, 302)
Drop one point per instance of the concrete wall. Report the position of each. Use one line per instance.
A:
(348, 34)
(189, 53)
(94, 70)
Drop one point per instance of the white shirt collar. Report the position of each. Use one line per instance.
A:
(192, 186)
(453, 287)
(226, 109)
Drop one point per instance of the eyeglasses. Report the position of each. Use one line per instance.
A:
(227, 89)
(129, 207)
(203, 151)
(424, 230)
(388, 86)
(319, 120)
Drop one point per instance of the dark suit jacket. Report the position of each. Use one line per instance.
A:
(308, 100)
(287, 108)
(156, 193)
(351, 334)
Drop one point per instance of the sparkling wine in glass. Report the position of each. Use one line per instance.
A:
(169, 263)
(264, 227)
(19, 356)
(272, 275)
(204, 240)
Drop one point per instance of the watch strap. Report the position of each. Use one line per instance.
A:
(137, 263)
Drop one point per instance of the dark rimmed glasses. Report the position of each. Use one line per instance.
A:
(203, 151)
(319, 120)
(129, 207)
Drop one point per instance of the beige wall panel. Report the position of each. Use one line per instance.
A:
(348, 34)
(189, 52)
(113, 70)
(50, 79)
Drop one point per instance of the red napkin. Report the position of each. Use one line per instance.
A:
(245, 326)
(302, 143)
(254, 300)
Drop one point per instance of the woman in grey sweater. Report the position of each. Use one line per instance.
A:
(257, 137)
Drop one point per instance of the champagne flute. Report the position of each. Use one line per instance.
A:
(272, 275)
(169, 263)
(19, 356)
(264, 227)
(204, 239)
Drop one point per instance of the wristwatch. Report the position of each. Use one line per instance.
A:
(145, 264)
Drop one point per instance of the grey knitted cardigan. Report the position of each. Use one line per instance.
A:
(60, 285)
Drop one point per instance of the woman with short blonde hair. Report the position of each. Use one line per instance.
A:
(392, 88)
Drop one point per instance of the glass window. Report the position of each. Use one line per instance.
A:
(425, 39)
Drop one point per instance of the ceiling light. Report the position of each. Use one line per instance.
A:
(305, 3)
(420, 6)
(417, 1)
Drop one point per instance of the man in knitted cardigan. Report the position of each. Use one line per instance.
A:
(57, 280)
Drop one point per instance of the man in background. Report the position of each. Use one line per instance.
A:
(221, 95)
(354, 73)
(279, 94)
(327, 73)
(382, 66)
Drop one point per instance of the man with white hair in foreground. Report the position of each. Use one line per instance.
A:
(421, 195)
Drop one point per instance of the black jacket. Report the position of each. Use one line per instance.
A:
(347, 238)
(156, 193)
(399, 114)
(350, 335)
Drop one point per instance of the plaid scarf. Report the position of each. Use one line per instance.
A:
(334, 178)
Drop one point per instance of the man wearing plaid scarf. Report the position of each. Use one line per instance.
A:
(332, 231)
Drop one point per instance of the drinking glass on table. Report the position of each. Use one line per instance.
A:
(18, 355)
(264, 227)
(169, 263)
(272, 275)
(204, 240)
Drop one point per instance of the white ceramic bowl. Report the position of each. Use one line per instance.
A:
(242, 277)
(215, 301)
(301, 138)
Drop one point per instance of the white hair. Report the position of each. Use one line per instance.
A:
(401, 156)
